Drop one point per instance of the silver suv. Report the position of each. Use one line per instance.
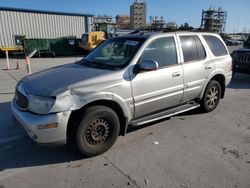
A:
(130, 80)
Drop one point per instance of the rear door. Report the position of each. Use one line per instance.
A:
(162, 88)
(197, 65)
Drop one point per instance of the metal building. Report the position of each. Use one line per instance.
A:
(17, 23)
(214, 20)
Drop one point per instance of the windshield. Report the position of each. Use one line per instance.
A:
(114, 53)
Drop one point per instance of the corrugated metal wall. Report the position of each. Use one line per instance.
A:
(38, 25)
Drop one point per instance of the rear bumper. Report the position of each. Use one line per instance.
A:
(241, 67)
(31, 121)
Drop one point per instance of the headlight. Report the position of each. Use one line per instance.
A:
(39, 104)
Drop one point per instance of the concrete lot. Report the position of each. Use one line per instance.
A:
(195, 150)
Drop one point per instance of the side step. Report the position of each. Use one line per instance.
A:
(165, 114)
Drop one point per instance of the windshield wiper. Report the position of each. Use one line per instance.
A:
(97, 65)
(86, 63)
(82, 61)
(104, 65)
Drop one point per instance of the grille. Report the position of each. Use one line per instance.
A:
(244, 57)
(21, 100)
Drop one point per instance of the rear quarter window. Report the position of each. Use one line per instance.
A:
(216, 46)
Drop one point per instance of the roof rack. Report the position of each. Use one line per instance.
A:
(140, 32)
(166, 30)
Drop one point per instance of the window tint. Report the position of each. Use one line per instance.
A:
(192, 48)
(215, 45)
(200, 48)
(189, 48)
(162, 50)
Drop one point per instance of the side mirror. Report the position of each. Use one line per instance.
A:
(146, 66)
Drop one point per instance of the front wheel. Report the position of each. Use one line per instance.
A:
(97, 131)
(211, 96)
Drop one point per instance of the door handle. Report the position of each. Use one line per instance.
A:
(208, 67)
(175, 74)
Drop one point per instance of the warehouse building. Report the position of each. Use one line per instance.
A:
(15, 24)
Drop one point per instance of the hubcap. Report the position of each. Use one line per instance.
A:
(212, 97)
(98, 131)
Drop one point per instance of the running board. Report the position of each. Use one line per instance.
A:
(165, 114)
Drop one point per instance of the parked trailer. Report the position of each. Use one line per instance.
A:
(17, 24)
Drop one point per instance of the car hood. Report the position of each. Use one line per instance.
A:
(54, 81)
(244, 49)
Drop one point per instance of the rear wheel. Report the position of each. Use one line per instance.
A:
(211, 96)
(97, 131)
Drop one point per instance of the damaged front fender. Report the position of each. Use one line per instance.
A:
(75, 99)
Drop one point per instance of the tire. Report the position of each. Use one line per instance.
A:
(211, 97)
(97, 131)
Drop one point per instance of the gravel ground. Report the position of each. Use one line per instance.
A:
(194, 150)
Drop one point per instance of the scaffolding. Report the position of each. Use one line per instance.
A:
(214, 20)
(157, 23)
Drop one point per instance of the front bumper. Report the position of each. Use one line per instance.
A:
(31, 121)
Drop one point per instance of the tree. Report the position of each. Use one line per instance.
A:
(185, 26)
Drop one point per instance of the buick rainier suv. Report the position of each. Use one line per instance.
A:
(129, 80)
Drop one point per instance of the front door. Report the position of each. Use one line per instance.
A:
(162, 88)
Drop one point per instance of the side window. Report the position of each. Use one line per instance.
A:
(162, 50)
(200, 48)
(192, 48)
(215, 45)
(189, 48)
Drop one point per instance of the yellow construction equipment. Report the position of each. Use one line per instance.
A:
(102, 32)
(92, 39)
